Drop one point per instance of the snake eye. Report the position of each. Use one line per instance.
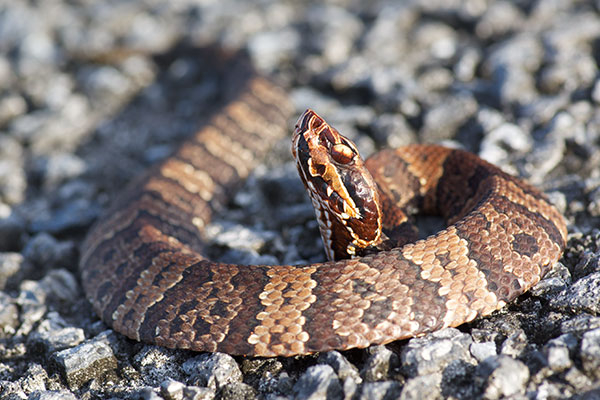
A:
(342, 153)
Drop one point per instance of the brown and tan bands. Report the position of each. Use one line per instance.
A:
(143, 269)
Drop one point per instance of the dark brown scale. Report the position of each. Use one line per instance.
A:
(144, 272)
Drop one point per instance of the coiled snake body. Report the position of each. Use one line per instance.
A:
(144, 271)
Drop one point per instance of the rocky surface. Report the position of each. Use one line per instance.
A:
(92, 92)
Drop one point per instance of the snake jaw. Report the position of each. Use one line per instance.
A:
(341, 188)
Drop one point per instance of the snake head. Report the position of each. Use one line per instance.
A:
(342, 190)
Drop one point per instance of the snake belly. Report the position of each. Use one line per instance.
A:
(144, 272)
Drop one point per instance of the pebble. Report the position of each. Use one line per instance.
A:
(11, 266)
(34, 379)
(73, 215)
(9, 315)
(422, 387)
(515, 344)
(318, 382)
(156, 364)
(12, 231)
(45, 251)
(503, 376)
(579, 296)
(558, 352)
(335, 32)
(433, 353)
(13, 181)
(238, 390)
(509, 65)
(92, 359)
(214, 371)
(482, 350)
(342, 367)
(590, 352)
(502, 141)
(380, 364)
(499, 19)
(53, 335)
(52, 395)
(379, 391)
(442, 121)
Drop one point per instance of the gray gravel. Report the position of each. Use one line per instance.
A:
(93, 92)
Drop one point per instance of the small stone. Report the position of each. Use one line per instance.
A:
(11, 106)
(380, 391)
(542, 109)
(392, 130)
(32, 303)
(157, 364)
(335, 30)
(499, 19)
(503, 140)
(57, 168)
(148, 393)
(12, 230)
(34, 379)
(380, 364)
(548, 390)
(75, 214)
(515, 344)
(457, 380)
(269, 48)
(10, 390)
(580, 324)
(444, 119)
(342, 367)
(279, 383)
(432, 353)
(45, 251)
(556, 280)
(503, 376)
(318, 382)
(13, 182)
(422, 387)
(350, 388)
(61, 286)
(237, 390)
(482, 350)
(107, 83)
(509, 65)
(172, 389)
(238, 236)
(11, 265)
(582, 296)
(9, 315)
(93, 359)
(558, 352)
(577, 379)
(547, 152)
(198, 393)
(52, 395)
(212, 370)
(53, 335)
(590, 352)
(596, 92)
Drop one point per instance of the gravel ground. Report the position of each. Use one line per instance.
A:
(92, 92)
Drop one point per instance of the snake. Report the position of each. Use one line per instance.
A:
(145, 271)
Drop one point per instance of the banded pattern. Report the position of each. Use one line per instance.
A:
(143, 269)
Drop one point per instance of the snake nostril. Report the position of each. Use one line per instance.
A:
(308, 120)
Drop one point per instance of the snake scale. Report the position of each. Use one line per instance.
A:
(144, 271)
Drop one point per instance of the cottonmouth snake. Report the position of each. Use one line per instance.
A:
(143, 267)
